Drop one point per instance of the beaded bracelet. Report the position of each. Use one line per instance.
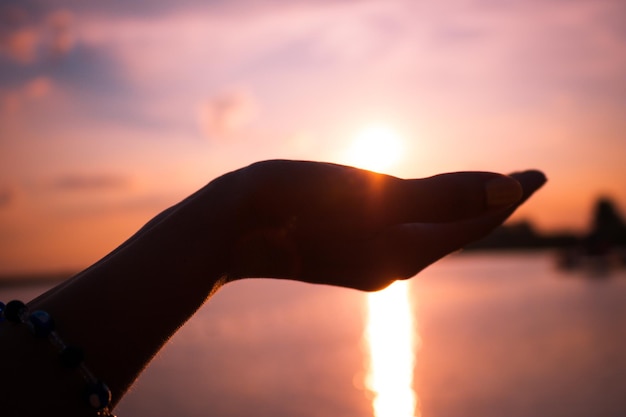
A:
(41, 324)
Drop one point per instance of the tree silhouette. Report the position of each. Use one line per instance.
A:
(607, 229)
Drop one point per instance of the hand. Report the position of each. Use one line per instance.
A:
(307, 221)
(338, 225)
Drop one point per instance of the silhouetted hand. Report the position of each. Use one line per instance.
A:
(338, 225)
(307, 221)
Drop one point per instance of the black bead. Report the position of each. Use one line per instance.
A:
(13, 311)
(71, 356)
(98, 395)
(41, 323)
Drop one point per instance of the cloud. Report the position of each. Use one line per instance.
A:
(28, 38)
(148, 205)
(32, 91)
(227, 113)
(61, 32)
(21, 45)
(86, 182)
(155, 8)
(38, 88)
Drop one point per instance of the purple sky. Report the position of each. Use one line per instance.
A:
(111, 111)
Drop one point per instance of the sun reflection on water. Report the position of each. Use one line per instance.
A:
(392, 341)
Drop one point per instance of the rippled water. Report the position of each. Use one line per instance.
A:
(495, 335)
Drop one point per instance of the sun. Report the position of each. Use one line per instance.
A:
(376, 148)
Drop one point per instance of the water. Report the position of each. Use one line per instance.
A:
(517, 338)
(496, 335)
(392, 343)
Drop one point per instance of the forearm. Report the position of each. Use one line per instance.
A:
(123, 309)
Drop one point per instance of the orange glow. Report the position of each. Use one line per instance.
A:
(376, 148)
(180, 95)
(390, 335)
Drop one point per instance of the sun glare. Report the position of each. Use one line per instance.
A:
(390, 333)
(391, 338)
(376, 148)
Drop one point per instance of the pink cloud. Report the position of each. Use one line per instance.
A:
(21, 45)
(29, 40)
(60, 25)
(217, 44)
(227, 113)
(79, 182)
(38, 87)
(32, 91)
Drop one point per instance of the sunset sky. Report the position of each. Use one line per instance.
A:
(112, 111)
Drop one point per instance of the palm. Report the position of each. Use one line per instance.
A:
(338, 225)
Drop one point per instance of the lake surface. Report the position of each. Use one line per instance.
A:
(493, 335)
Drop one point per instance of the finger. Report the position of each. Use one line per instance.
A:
(531, 181)
(323, 198)
(408, 248)
(401, 251)
(451, 197)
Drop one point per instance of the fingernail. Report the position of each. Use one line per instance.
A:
(502, 191)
